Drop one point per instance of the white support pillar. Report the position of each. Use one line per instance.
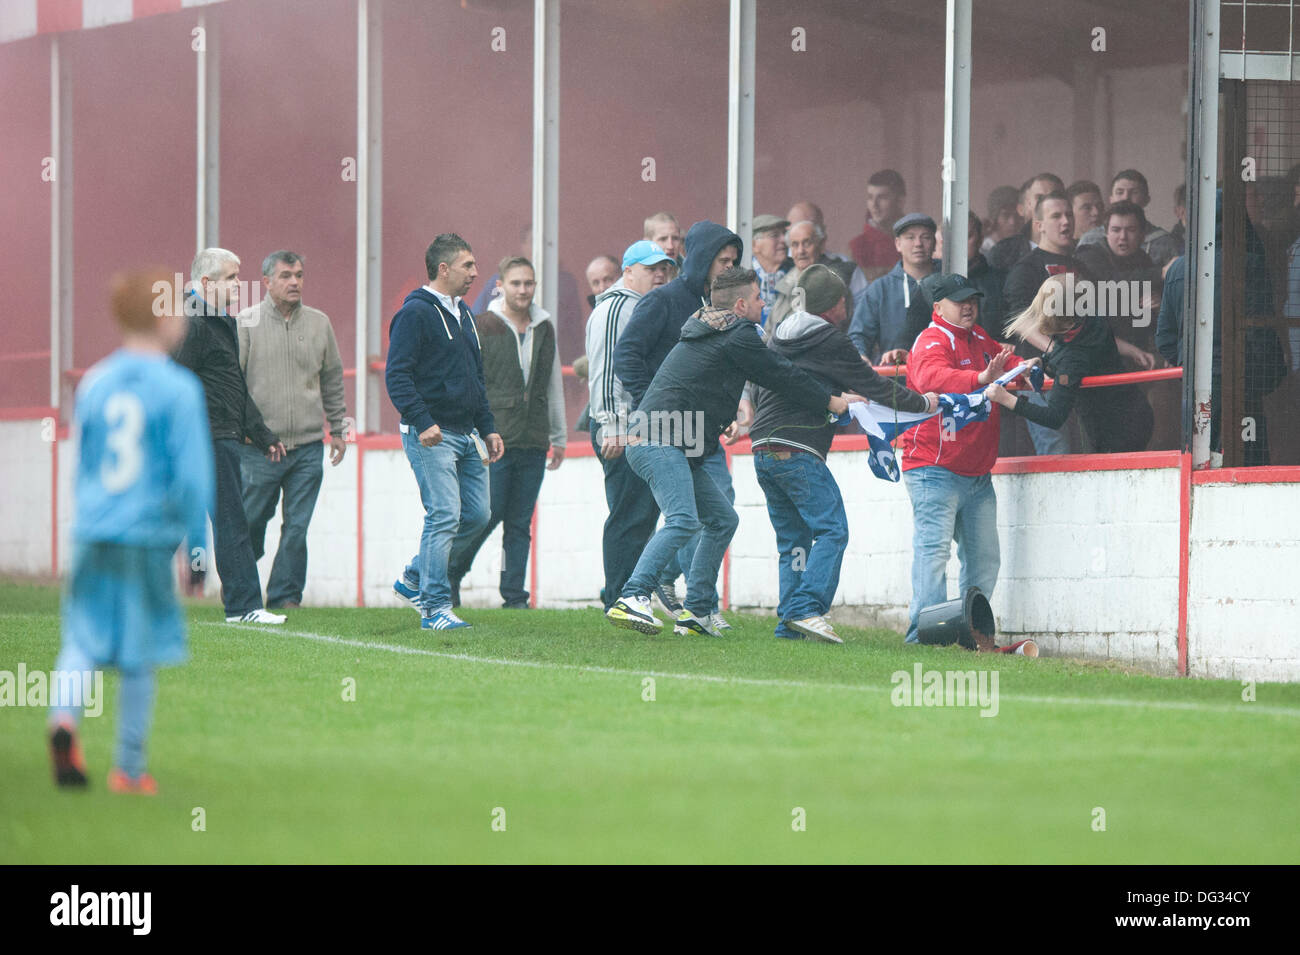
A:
(60, 221)
(546, 151)
(370, 207)
(740, 122)
(956, 136)
(1202, 172)
(207, 191)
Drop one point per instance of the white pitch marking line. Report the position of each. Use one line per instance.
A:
(753, 681)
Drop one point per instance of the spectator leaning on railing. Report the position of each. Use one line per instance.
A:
(1114, 418)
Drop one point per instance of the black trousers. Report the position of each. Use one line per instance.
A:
(633, 514)
(241, 590)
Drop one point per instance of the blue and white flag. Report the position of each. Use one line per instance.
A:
(883, 424)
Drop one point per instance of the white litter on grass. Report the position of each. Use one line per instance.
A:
(757, 681)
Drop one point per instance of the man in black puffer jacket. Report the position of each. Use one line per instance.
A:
(690, 403)
(790, 445)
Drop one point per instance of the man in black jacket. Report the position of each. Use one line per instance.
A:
(652, 332)
(690, 403)
(790, 445)
(1120, 259)
(1054, 223)
(1007, 252)
(211, 351)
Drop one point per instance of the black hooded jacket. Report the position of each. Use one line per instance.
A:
(656, 323)
(706, 372)
(825, 352)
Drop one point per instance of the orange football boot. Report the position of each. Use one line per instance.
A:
(120, 782)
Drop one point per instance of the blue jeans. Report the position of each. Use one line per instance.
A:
(947, 507)
(454, 489)
(812, 531)
(691, 502)
(715, 465)
(633, 514)
(515, 482)
(1046, 440)
(297, 477)
(241, 589)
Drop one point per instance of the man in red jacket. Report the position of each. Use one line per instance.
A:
(947, 471)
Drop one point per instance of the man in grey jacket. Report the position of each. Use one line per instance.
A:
(291, 360)
(879, 325)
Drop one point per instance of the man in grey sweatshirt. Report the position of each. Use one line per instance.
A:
(290, 359)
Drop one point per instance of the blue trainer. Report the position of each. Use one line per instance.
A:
(408, 594)
(442, 620)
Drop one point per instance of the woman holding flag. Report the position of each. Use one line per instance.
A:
(1116, 418)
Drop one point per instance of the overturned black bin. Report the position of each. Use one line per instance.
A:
(957, 621)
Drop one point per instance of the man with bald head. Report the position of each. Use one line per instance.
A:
(602, 272)
(805, 210)
(807, 242)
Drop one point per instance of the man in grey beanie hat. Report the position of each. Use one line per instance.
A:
(790, 446)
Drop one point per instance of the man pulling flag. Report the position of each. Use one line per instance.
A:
(884, 424)
(947, 458)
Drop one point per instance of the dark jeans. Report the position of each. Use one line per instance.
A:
(633, 514)
(241, 591)
(812, 531)
(514, 483)
(296, 477)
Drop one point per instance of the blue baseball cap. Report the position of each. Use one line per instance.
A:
(645, 252)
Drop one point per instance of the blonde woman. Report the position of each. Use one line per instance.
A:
(1113, 418)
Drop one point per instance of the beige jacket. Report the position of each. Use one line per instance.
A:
(293, 370)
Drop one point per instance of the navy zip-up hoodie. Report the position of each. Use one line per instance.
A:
(435, 369)
(656, 324)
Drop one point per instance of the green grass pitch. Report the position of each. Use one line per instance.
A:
(537, 721)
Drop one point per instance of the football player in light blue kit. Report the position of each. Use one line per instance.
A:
(144, 482)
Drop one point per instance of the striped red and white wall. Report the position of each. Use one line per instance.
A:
(25, 18)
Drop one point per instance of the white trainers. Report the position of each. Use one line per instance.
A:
(634, 613)
(258, 616)
(816, 628)
(685, 623)
(718, 622)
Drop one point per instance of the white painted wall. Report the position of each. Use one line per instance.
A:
(1089, 559)
(25, 469)
(1243, 613)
